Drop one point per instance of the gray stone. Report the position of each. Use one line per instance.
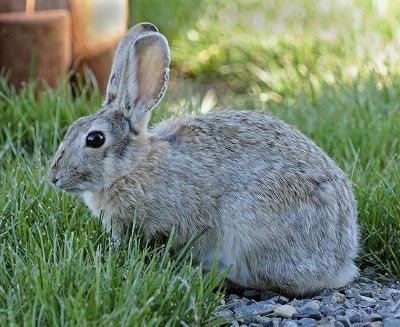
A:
(366, 281)
(365, 301)
(308, 313)
(353, 315)
(294, 303)
(325, 310)
(247, 301)
(343, 320)
(358, 324)
(283, 300)
(338, 310)
(327, 300)
(285, 311)
(349, 303)
(385, 297)
(290, 323)
(392, 308)
(392, 292)
(349, 293)
(260, 308)
(326, 322)
(307, 322)
(341, 323)
(272, 323)
(391, 323)
(233, 297)
(374, 324)
(258, 320)
(383, 303)
(267, 295)
(338, 298)
(235, 304)
(367, 292)
(372, 317)
(327, 292)
(310, 305)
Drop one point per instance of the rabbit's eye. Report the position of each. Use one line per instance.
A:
(95, 139)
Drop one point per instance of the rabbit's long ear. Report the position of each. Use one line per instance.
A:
(145, 77)
(119, 58)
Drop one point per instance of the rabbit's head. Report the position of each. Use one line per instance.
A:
(99, 148)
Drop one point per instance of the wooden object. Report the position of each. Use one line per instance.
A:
(35, 45)
(20, 5)
(97, 27)
(99, 63)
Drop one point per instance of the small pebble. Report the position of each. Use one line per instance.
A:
(365, 301)
(338, 310)
(272, 323)
(353, 315)
(235, 304)
(391, 323)
(342, 323)
(267, 295)
(373, 317)
(308, 313)
(290, 323)
(310, 305)
(285, 311)
(344, 320)
(307, 322)
(260, 308)
(349, 293)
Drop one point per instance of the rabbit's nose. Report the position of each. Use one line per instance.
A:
(52, 176)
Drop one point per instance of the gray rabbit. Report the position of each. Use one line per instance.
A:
(278, 209)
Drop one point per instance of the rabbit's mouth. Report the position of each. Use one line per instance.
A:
(57, 182)
(67, 188)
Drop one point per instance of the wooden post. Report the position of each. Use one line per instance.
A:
(35, 45)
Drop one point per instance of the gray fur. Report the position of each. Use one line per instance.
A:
(276, 206)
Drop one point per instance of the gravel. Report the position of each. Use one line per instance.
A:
(365, 303)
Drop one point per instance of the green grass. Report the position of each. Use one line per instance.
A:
(330, 68)
(57, 266)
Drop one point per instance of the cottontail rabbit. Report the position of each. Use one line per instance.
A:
(278, 209)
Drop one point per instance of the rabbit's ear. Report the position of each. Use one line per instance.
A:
(119, 58)
(145, 77)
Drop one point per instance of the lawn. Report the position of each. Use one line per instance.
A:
(331, 68)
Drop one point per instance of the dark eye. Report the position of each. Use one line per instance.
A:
(95, 139)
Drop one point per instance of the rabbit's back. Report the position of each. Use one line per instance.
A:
(283, 206)
(255, 151)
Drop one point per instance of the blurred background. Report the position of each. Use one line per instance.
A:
(331, 68)
(264, 49)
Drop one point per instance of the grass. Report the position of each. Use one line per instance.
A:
(57, 266)
(330, 68)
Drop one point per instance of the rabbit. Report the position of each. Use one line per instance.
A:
(259, 195)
